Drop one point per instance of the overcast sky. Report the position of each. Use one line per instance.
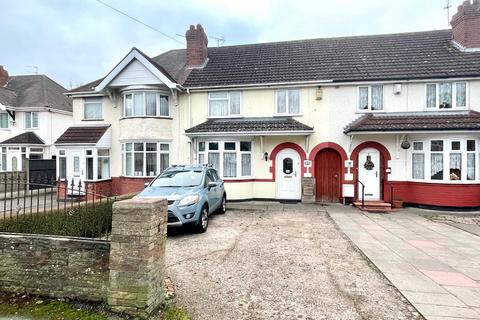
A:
(77, 41)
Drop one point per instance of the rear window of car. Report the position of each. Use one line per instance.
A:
(179, 178)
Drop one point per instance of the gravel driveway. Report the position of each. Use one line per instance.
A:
(287, 262)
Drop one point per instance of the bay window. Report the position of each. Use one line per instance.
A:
(145, 159)
(453, 160)
(370, 98)
(446, 95)
(224, 104)
(232, 159)
(92, 109)
(146, 104)
(103, 164)
(288, 101)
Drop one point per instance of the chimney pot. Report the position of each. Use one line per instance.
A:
(197, 46)
(466, 24)
(3, 76)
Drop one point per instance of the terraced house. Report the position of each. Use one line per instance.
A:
(323, 119)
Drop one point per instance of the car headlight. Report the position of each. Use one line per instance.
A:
(188, 201)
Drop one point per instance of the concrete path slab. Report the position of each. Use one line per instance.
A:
(434, 265)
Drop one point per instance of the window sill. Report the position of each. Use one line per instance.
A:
(138, 177)
(445, 109)
(98, 180)
(93, 120)
(369, 111)
(31, 128)
(288, 115)
(147, 117)
(226, 117)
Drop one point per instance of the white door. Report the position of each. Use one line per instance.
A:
(14, 159)
(369, 173)
(75, 172)
(288, 174)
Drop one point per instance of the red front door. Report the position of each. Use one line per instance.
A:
(327, 175)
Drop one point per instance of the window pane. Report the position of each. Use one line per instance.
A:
(470, 145)
(34, 119)
(281, 101)
(445, 94)
(151, 163)
(229, 164)
(294, 101)
(214, 159)
(3, 120)
(151, 147)
(201, 158)
(436, 145)
(437, 166)
(103, 152)
(151, 103)
(377, 97)
(138, 146)
(246, 164)
(234, 103)
(76, 164)
(103, 168)
(287, 166)
(164, 106)
(128, 146)
(138, 105)
(218, 108)
(470, 166)
(418, 166)
(201, 146)
(128, 164)
(461, 98)
(229, 145)
(213, 146)
(363, 98)
(164, 161)
(92, 108)
(218, 95)
(455, 145)
(28, 121)
(62, 166)
(245, 146)
(455, 166)
(164, 147)
(431, 95)
(138, 163)
(418, 146)
(128, 105)
(89, 169)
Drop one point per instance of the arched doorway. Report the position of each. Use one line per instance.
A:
(328, 173)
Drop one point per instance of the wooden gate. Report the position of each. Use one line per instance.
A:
(328, 175)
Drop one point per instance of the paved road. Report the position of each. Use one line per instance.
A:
(436, 266)
(32, 202)
(274, 261)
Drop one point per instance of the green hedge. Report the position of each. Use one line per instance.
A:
(91, 221)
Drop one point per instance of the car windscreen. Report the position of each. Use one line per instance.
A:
(184, 178)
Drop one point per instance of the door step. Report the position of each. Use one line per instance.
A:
(374, 206)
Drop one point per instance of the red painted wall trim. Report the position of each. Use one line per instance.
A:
(287, 145)
(436, 194)
(384, 157)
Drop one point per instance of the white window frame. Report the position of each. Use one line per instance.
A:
(93, 101)
(423, 151)
(8, 120)
(287, 106)
(229, 114)
(158, 153)
(447, 150)
(62, 154)
(369, 109)
(30, 125)
(159, 94)
(454, 96)
(221, 150)
(96, 168)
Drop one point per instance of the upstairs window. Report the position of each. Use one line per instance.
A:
(146, 104)
(446, 95)
(31, 120)
(3, 120)
(224, 104)
(92, 109)
(288, 101)
(370, 98)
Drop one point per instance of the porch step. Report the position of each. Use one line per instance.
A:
(374, 206)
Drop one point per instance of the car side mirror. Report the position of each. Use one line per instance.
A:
(212, 184)
(146, 184)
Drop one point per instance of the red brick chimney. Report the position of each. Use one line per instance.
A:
(197, 50)
(466, 25)
(3, 77)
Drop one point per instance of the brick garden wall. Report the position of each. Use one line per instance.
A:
(54, 266)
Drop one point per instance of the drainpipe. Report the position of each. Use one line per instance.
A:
(191, 143)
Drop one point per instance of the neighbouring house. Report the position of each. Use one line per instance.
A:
(393, 113)
(34, 112)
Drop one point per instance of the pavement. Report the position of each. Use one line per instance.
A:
(278, 261)
(436, 266)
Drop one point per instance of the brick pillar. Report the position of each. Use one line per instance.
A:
(137, 255)
(62, 189)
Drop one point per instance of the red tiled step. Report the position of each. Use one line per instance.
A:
(374, 206)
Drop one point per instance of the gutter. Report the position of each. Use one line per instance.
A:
(253, 133)
(351, 133)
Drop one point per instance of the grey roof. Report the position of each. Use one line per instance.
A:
(34, 91)
(82, 134)
(241, 125)
(24, 138)
(418, 121)
(8, 97)
(401, 56)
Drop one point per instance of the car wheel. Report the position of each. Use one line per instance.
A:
(202, 223)
(223, 207)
